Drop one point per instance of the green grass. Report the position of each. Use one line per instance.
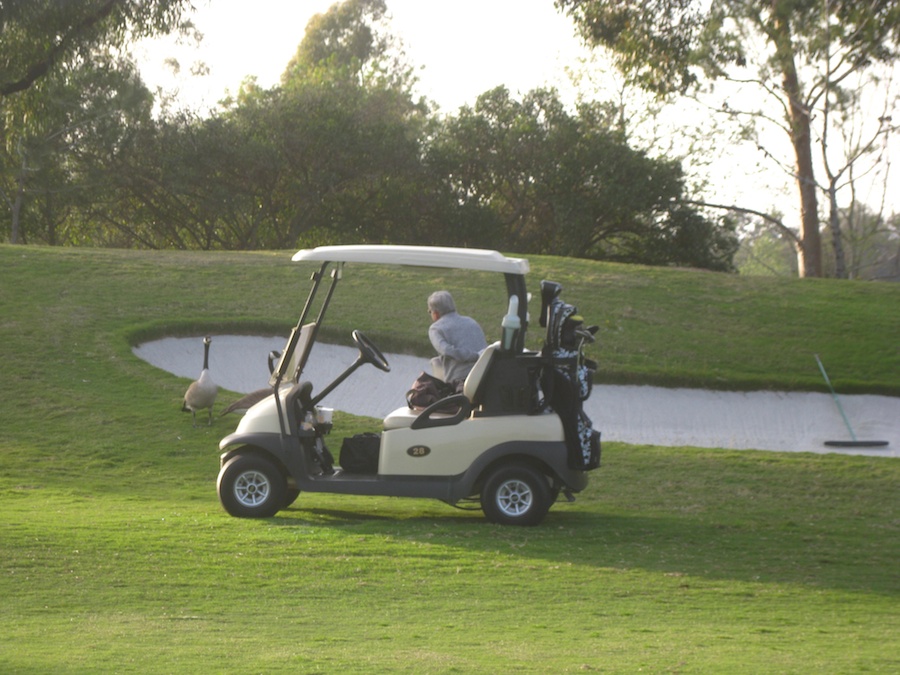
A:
(115, 555)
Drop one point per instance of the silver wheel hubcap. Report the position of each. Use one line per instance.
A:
(514, 497)
(252, 488)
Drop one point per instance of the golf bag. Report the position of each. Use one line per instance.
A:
(567, 376)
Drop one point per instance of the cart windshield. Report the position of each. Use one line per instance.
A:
(295, 353)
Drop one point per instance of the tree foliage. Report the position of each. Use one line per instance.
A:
(64, 85)
(39, 36)
(58, 143)
(342, 39)
(871, 247)
(350, 42)
(327, 156)
(570, 185)
(340, 152)
(799, 53)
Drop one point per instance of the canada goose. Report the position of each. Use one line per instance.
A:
(202, 392)
(244, 403)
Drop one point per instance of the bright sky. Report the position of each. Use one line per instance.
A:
(463, 48)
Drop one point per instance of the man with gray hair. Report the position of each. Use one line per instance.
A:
(457, 339)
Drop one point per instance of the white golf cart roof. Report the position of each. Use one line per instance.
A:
(422, 256)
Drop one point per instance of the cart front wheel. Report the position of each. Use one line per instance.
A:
(251, 487)
(516, 495)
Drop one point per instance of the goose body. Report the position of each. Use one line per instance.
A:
(246, 402)
(201, 394)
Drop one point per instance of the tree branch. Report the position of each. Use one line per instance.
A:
(39, 69)
(777, 222)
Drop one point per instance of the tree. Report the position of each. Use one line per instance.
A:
(846, 143)
(58, 141)
(350, 130)
(802, 51)
(570, 185)
(178, 183)
(37, 36)
(54, 57)
(764, 250)
(350, 42)
(330, 155)
(871, 244)
(349, 156)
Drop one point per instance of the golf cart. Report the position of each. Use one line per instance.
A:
(512, 440)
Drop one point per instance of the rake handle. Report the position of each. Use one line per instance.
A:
(835, 397)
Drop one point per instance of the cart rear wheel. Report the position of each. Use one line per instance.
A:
(251, 487)
(516, 495)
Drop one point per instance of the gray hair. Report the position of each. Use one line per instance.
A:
(441, 302)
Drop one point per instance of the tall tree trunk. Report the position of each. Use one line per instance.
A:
(17, 209)
(809, 248)
(837, 239)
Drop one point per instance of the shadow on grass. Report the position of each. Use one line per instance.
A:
(344, 517)
(751, 551)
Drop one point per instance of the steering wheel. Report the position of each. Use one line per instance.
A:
(369, 352)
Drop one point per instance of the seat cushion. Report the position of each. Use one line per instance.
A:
(476, 375)
(400, 418)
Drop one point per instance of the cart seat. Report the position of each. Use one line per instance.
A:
(405, 416)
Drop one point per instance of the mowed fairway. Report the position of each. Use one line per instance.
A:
(115, 555)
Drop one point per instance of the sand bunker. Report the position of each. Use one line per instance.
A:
(792, 422)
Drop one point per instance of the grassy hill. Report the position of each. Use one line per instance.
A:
(657, 326)
(116, 557)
